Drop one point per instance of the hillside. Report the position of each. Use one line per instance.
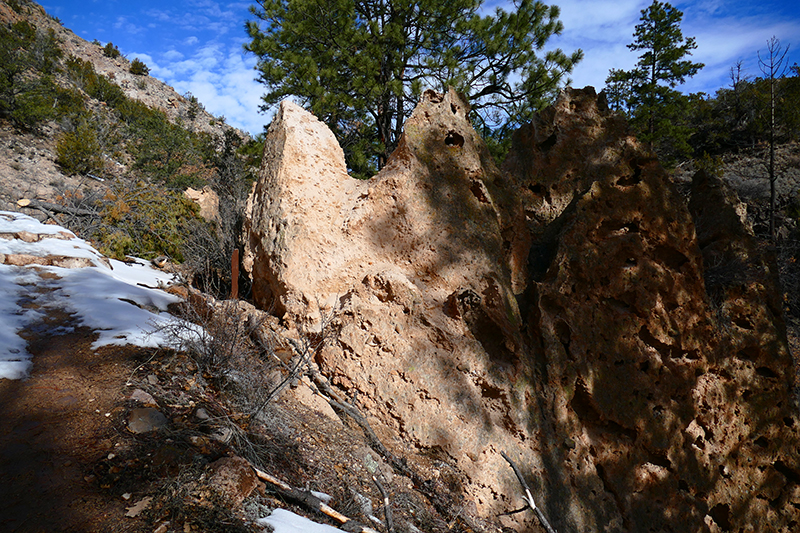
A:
(28, 158)
(109, 150)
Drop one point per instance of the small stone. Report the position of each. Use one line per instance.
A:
(142, 397)
(202, 414)
(234, 478)
(146, 419)
(222, 435)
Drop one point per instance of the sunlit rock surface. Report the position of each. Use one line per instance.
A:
(558, 310)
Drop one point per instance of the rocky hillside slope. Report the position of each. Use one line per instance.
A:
(28, 158)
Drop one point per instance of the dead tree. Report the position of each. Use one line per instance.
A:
(773, 66)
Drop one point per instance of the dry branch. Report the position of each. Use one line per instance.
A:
(312, 502)
(387, 506)
(426, 487)
(528, 496)
(48, 208)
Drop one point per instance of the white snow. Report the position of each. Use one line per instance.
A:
(123, 303)
(11, 222)
(283, 521)
(324, 498)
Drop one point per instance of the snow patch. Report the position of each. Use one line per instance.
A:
(283, 521)
(123, 302)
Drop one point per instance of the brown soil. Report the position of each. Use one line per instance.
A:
(68, 460)
(54, 429)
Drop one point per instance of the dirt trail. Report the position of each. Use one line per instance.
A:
(55, 427)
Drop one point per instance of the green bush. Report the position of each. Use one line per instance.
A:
(146, 221)
(194, 106)
(97, 86)
(69, 103)
(28, 60)
(33, 103)
(712, 165)
(138, 68)
(78, 152)
(109, 50)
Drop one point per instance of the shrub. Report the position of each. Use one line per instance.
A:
(138, 68)
(109, 50)
(712, 165)
(146, 221)
(33, 103)
(28, 59)
(69, 103)
(194, 106)
(78, 152)
(82, 73)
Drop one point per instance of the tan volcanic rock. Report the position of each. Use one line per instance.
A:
(557, 311)
(414, 261)
(661, 424)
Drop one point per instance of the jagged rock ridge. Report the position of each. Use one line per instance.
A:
(558, 310)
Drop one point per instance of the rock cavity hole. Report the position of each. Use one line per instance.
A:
(454, 139)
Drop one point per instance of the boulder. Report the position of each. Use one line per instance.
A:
(414, 265)
(233, 478)
(659, 424)
(208, 202)
(557, 310)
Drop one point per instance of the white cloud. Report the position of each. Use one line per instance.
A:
(724, 31)
(222, 79)
(606, 20)
(160, 16)
(173, 55)
(123, 25)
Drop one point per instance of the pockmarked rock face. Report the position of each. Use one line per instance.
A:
(557, 310)
(670, 395)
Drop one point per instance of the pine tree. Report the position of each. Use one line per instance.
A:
(654, 105)
(361, 65)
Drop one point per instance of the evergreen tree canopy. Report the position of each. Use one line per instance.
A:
(648, 92)
(361, 65)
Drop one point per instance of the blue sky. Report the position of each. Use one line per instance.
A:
(196, 45)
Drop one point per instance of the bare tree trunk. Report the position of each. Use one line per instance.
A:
(773, 67)
(772, 160)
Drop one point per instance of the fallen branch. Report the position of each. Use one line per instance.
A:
(312, 502)
(48, 214)
(340, 404)
(528, 496)
(47, 208)
(387, 507)
(433, 490)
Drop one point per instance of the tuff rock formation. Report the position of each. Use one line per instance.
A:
(558, 310)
